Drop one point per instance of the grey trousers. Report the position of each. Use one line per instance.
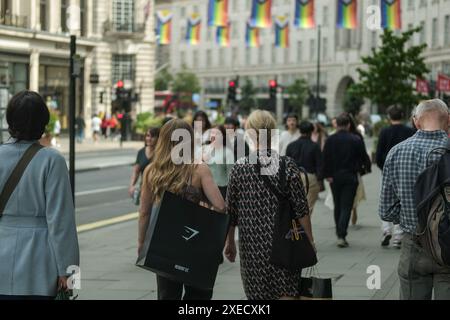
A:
(420, 274)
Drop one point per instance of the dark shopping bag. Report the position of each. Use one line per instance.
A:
(291, 248)
(185, 242)
(315, 288)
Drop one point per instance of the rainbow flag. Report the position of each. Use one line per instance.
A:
(193, 29)
(304, 14)
(252, 36)
(347, 17)
(223, 36)
(218, 13)
(391, 14)
(282, 32)
(164, 26)
(261, 16)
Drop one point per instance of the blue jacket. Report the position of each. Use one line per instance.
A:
(38, 237)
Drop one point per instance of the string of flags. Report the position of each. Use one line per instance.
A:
(261, 18)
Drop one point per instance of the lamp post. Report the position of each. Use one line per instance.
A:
(73, 25)
(319, 40)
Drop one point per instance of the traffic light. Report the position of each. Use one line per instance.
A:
(273, 86)
(232, 86)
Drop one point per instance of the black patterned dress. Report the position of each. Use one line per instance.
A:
(253, 207)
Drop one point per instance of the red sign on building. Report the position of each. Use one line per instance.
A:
(443, 83)
(422, 86)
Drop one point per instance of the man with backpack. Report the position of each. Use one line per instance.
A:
(418, 271)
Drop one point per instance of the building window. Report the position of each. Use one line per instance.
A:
(325, 17)
(261, 54)
(195, 59)
(43, 14)
(434, 39)
(208, 58)
(83, 17)
(374, 40)
(234, 57)
(222, 57)
(286, 55)
(422, 39)
(122, 67)
(274, 54)
(248, 56)
(447, 31)
(299, 51)
(325, 49)
(64, 5)
(312, 48)
(123, 13)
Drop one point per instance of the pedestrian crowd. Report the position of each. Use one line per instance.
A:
(39, 234)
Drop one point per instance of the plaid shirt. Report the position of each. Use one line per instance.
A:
(403, 165)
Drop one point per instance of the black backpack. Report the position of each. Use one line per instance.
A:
(432, 196)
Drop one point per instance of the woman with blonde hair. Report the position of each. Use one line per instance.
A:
(192, 181)
(253, 206)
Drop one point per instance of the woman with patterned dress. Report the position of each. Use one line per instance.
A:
(253, 207)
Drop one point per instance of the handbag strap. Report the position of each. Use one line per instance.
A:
(17, 174)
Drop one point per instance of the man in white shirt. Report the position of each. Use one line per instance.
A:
(291, 134)
(96, 127)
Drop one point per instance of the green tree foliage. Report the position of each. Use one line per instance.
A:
(298, 93)
(163, 80)
(186, 82)
(391, 72)
(352, 102)
(248, 100)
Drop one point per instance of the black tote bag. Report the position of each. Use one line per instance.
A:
(291, 248)
(185, 242)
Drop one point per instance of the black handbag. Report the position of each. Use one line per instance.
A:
(184, 242)
(291, 248)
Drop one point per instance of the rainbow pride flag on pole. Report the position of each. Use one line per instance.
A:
(281, 32)
(261, 16)
(347, 14)
(193, 29)
(304, 14)
(252, 38)
(391, 14)
(218, 13)
(223, 36)
(164, 26)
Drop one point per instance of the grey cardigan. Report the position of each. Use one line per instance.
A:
(38, 237)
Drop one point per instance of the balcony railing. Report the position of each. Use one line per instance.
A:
(127, 27)
(14, 20)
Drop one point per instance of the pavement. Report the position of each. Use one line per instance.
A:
(108, 254)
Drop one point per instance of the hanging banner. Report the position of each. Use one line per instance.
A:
(218, 13)
(223, 36)
(164, 26)
(261, 16)
(443, 83)
(193, 29)
(252, 38)
(391, 14)
(422, 86)
(347, 17)
(281, 32)
(304, 14)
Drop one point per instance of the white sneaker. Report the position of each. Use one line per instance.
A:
(397, 243)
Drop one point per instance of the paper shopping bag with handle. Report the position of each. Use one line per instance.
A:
(314, 287)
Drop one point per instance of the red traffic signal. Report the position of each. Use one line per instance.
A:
(273, 83)
(119, 84)
(232, 84)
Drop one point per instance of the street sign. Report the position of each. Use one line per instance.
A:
(94, 79)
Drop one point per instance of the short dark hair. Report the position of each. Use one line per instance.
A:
(291, 115)
(343, 120)
(233, 121)
(306, 128)
(395, 113)
(27, 116)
